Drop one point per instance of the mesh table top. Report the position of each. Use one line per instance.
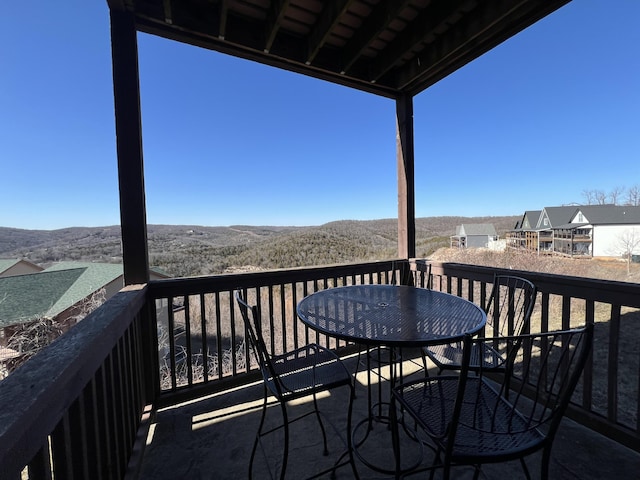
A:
(392, 315)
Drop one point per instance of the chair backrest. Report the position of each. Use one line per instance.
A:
(510, 306)
(253, 328)
(425, 277)
(530, 396)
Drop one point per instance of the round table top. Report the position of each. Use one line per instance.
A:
(392, 315)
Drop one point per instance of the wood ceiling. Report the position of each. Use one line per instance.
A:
(390, 48)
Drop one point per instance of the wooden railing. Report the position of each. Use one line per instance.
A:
(75, 408)
(201, 336)
(204, 349)
(73, 411)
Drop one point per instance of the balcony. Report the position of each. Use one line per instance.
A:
(136, 372)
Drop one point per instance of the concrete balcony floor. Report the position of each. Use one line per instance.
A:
(211, 438)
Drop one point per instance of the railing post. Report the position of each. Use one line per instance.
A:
(406, 182)
(126, 91)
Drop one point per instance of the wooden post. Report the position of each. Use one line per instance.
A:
(406, 187)
(126, 91)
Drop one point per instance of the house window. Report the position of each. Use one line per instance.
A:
(580, 218)
(545, 221)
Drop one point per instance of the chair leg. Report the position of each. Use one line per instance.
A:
(424, 363)
(324, 433)
(544, 467)
(436, 461)
(395, 438)
(352, 460)
(526, 470)
(285, 426)
(476, 473)
(258, 434)
(446, 474)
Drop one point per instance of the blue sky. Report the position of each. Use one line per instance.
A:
(537, 121)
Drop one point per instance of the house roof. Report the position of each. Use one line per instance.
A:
(52, 291)
(556, 216)
(530, 219)
(467, 229)
(7, 263)
(610, 214)
(390, 48)
(30, 296)
(94, 277)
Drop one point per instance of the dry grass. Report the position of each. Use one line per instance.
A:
(602, 268)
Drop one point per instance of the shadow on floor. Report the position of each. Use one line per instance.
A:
(211, 438)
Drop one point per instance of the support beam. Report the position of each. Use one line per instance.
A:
(406, 180)
(126, 92)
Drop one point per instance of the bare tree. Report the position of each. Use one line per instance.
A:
(600, 197)
(589, 196)
(628, 243)
(615, 195)
(633, 196)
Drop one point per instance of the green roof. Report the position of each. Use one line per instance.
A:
(52, 291)
(94, 277)
(27, 297)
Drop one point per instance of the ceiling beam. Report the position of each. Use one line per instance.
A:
(422, 30)
(222, 21)
(168, 17)
(275, 14)
(328, 19)
(379, 20)
(446, 54)
(250, 49)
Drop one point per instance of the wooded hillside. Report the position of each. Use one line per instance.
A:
(185, 250)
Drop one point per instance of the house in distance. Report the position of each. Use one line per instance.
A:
(474, 235)
(582, 231)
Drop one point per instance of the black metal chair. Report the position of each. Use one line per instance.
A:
(508, 313)
(490, 416)
(304, 371)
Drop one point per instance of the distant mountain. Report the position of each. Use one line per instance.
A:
(197, 250)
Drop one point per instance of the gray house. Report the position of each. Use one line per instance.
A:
(474, 235)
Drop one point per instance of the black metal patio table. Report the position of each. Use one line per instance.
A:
(390, 316)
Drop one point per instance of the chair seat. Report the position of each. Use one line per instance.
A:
(307, 369)
(489, 426)
(450, 354)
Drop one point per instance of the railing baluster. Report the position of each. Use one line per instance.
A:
(40, 466)
(587, 374)
(187, 339)
(566, 312)
(612, 384)
(219, 352)
(105, 421)
(204, 345)
(94, 444)
(172, 344)
(61, 449)
(78, 438)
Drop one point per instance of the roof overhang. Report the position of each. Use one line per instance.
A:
(390, 48)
